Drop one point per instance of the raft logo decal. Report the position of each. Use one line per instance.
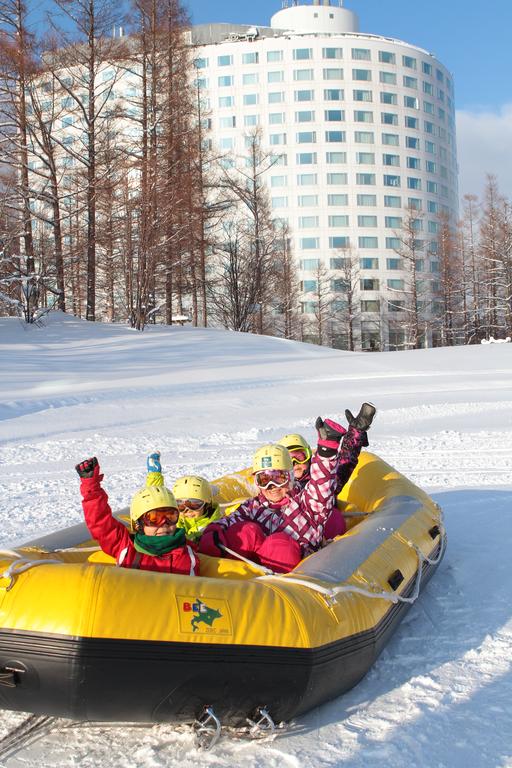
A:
(204, 618)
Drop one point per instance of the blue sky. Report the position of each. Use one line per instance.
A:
(472, 41)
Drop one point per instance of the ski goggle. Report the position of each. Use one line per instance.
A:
(190, 505)
(158, 517)
(299, 456)
(268, 477)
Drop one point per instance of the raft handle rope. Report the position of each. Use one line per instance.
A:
(330, 594)
(22, 565)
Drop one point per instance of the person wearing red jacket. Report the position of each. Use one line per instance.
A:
(155, 543)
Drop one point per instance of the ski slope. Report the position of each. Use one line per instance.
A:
(440, 693)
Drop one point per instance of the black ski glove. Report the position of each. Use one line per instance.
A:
(364, 418)
(329, 436)
(86, 468)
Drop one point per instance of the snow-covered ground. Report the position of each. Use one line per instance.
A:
(440, 695)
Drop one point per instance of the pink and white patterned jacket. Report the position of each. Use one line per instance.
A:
(302, 514)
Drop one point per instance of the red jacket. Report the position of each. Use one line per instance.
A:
(114, 537)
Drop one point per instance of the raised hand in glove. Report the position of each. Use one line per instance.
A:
(329, 436)
(153, 462)
(364, 418)
(88, 467)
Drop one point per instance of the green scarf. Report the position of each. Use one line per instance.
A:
(159, 545)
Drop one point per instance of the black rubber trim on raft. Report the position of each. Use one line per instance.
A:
(144, 681)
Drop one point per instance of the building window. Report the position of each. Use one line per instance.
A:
(411, 142)
(335, 158)
(396, 306)
(337, 200)
(389, 118)
(393, 264)
(308, 286)
(307, 116)
(274, 56)
(426, 68)
(369, 284)
(332, 53)
(250, 58)
(339, 285)
(362, 95)
(414, 203)
(432, 207)
(307, 179)
(276, 118)
(413, 183)
(310, 243)
(363, 117)
(361, 54)
(367, 200)
(227, 142)
(251, 120)
(391, 139)
(362, 74)
(333, 94)
(306, 137)
(304, 95)
(276, 97)
(307, 222)
(387, 78)
(414, 162)
(428, 88)
(368, 262)
(409, 62)
(276, 138)
(364, 137)
(339, 241)
(368, 242)
(278, 181)
(391, 160)
(337, 178)
(338, 263)
(410, 82)
(279, 202)
(391, 181)
(250, 99)
(429, 127)
(428, 107)
(309, 308)
(365, 179)
(366, 221)
(226, 101)
(302, 74)
(224, 61)
(388, 98)
(335, 136)
(250, 79)
(386, 57)
(275, 77)
(412, 122)
(365, 158)
(307, 201)
(200, 63)
(393, 222)
(370, 306)
(306, 158)
(338, 221)
(393, 243)
(309, 265)
(225, 81)
(333, 73)
(334, 115)
(411, 102)
(301, 54)
(392, 201)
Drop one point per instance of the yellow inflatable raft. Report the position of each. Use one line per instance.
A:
(83, 639)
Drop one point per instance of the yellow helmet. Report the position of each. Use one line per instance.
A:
(193, 487)
(296, 442)
(154, 497)
(272, 456)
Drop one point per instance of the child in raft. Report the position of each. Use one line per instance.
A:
(194, 499)
(284, 522)
(155, 542)
(353, 440)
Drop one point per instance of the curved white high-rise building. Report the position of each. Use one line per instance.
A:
(365, 126)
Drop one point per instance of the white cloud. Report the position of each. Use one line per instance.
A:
(485, 146)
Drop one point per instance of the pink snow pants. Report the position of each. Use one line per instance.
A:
(277, 551)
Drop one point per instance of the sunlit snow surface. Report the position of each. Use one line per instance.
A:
(440, 695)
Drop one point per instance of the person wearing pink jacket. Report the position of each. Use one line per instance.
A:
(284, 522)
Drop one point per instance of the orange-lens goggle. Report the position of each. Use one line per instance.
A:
(299, 457)
(157, 518)
(192, 505)
(268, 477)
